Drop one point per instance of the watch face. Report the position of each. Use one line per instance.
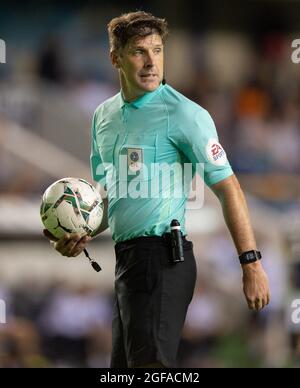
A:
(250, 257)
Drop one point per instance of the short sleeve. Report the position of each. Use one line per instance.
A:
(193, 131)
(97, 171)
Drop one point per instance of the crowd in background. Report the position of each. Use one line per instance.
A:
(256, 110)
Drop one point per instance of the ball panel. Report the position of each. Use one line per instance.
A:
(71, 205)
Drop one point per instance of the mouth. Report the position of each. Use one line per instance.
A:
(148, 75)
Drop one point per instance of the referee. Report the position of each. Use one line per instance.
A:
(148, 124)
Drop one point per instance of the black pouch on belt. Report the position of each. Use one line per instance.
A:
(175, 243)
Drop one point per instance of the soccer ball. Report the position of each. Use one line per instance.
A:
(71, 205)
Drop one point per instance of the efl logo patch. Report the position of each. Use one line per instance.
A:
(215, 153)
(135, 159)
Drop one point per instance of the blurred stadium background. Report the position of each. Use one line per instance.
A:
(233, 58)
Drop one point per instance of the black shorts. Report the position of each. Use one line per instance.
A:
(152, 297)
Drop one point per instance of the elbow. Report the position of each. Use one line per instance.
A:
(227, 187)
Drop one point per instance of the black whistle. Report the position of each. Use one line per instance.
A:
(176, 242)
(94, 264)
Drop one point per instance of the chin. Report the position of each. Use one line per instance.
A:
(149, 86)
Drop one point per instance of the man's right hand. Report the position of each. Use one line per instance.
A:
(71, 245)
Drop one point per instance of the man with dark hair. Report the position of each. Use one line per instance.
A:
(135, 24)
(150, 123)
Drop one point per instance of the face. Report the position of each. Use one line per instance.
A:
(141, 65)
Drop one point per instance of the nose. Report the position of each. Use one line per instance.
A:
(149, 60)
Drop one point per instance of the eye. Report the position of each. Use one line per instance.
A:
(138, 51)
(157, 50)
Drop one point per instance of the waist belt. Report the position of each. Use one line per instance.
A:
(164, 239)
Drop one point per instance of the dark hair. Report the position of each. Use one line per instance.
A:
(135, 24)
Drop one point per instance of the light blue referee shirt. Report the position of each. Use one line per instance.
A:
(146, 153)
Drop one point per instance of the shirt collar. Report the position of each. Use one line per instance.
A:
(142, 100)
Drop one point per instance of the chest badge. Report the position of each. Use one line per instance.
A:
(135, 159)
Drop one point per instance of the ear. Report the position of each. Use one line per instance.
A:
(114, 59)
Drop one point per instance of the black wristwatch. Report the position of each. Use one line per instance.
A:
(250, 257)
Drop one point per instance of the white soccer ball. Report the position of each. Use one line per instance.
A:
(71, 205)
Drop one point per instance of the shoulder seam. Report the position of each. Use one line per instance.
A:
(104, 103)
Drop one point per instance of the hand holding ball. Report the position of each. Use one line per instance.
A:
(72, 212)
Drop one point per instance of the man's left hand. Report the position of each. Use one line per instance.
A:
(256, 286)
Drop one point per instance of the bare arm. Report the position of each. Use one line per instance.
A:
(236, 215)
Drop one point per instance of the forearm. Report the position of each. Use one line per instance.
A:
(236, 214)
